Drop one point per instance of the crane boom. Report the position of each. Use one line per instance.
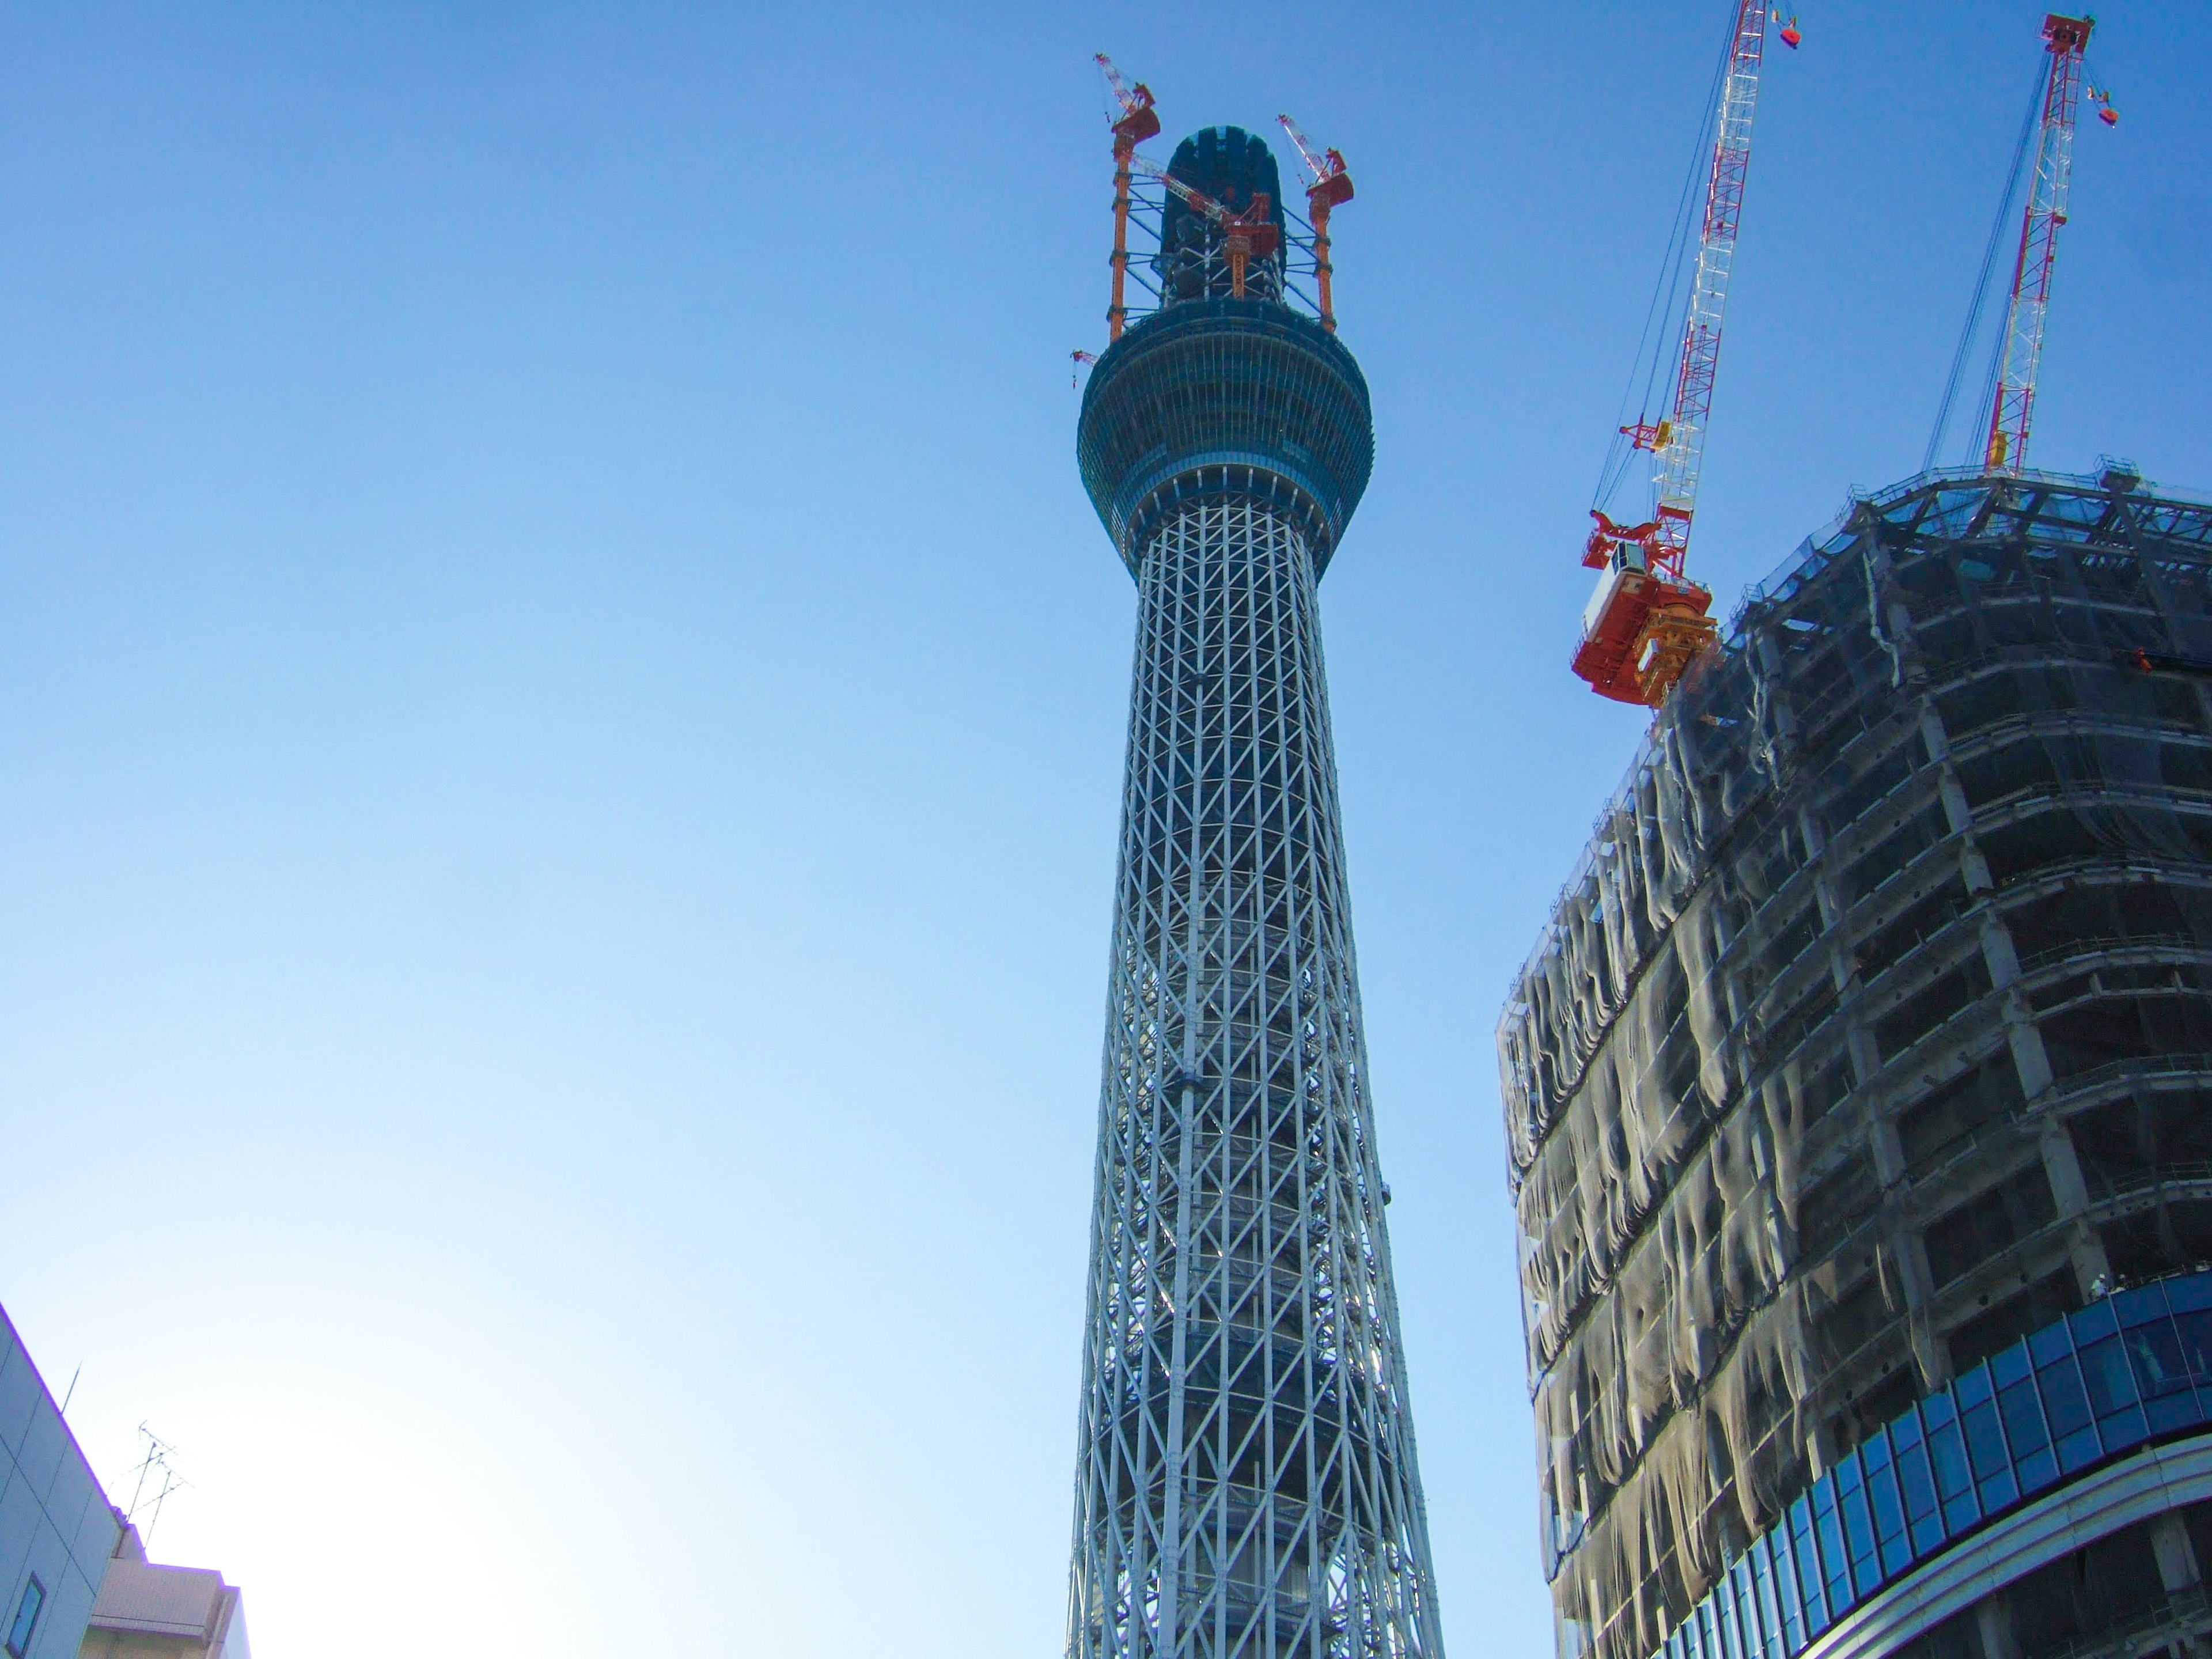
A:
(1647, 621)
(2066, 38)
(1681, 455)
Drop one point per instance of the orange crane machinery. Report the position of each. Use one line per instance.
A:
(1247, 235)
(1331, 189)
(1647, 620)
(1139, 122)
(2022, 354)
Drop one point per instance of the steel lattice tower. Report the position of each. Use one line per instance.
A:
(1247, 1483)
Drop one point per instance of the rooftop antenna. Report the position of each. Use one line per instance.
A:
(153, 1470)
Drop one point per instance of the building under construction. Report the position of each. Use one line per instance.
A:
(1859, 1101)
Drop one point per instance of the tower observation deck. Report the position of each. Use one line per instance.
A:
(1246, 1481)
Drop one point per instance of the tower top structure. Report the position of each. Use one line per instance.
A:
(1213, 393)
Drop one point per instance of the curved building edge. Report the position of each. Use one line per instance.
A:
(1846, 1056)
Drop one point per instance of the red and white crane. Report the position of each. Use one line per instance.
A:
(1647, 619)
(1331, 189)
(2067, 39)
(1139, 122)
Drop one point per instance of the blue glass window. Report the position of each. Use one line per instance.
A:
(2034, 1461)
(2066, 1406)
(2138, 1307)
(1986, 1446)
(25, 1623)
(2196, 1329)
(1973, 1388)
(1769, 1614)
(1835, 1562)
(2065, 1402)
(2183, 1295)
(1888, 1504)
(1858, 1525)
(2112, 1388)
(1923, 1516)
(2155, 1355)
(1794, 1633)
(2095, 1321)
(1747, 1628)
(1947, 1453)
(2051, 1342)
(1807, 1555)
(1723, 1604)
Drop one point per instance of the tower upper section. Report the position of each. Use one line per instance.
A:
(1213, 394)
(1236, 170)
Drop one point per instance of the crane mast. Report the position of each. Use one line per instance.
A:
(2067, 39)
(1647, 621)
(1330, 190)
(1139, 122)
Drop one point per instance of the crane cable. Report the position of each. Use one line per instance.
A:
(1989, 254)
(1669, 294)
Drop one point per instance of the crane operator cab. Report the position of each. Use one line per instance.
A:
(1645, 622)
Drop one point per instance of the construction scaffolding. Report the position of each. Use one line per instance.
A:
(1874, 1030)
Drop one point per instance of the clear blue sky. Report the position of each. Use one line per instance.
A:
(563, 713)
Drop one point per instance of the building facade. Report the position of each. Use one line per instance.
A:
(1246, 1480)
(1858, 1097)
(56, 1531)
(148, 1611)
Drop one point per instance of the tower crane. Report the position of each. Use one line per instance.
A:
(1249, 235)
(1331, 189)
(1139, 122)
(2066, 39)
(1647, 620)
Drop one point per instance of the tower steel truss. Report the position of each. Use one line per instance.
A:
(1247, 1483)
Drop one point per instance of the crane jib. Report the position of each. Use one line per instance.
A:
(1682, 459)
(2014, 403)
(1647, 621)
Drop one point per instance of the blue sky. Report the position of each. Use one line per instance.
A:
(563, 710)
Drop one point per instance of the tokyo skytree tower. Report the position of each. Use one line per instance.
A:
(1246, 1485)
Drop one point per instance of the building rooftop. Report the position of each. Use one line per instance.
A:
(142, 1598)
